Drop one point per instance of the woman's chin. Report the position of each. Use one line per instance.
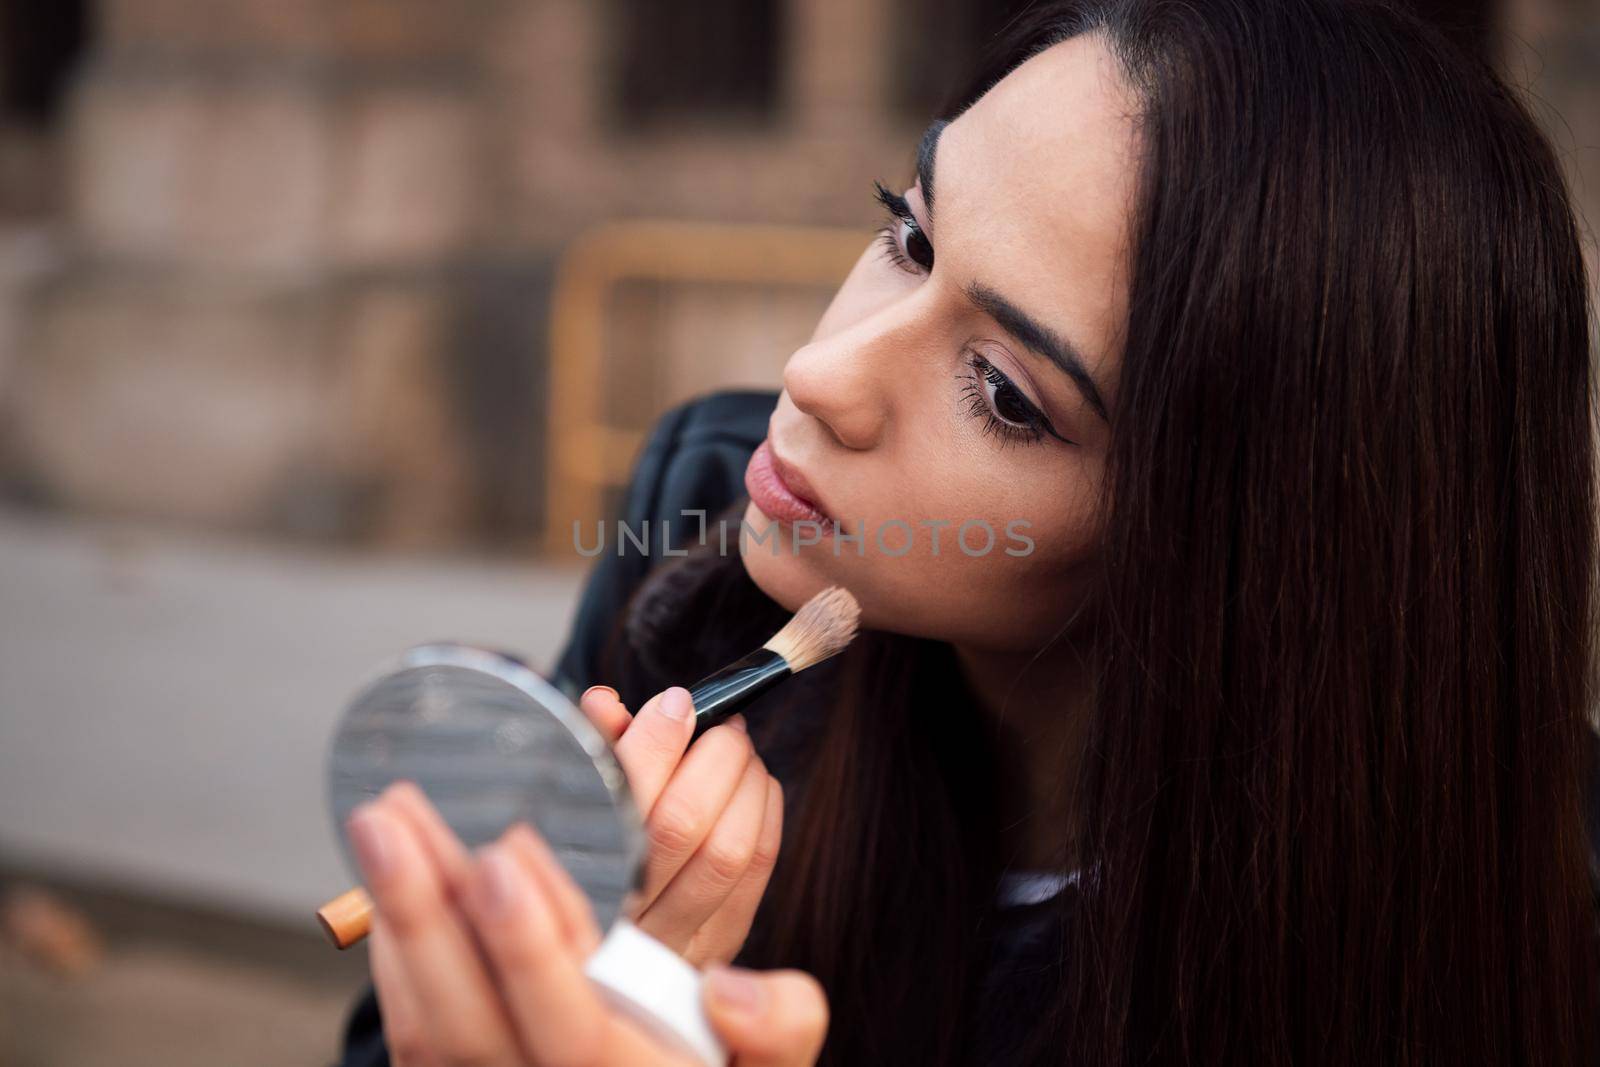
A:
(788, 577)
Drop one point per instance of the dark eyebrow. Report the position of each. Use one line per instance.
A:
(1041, 339)
(927, 148)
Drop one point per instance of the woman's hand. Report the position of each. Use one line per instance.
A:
(478, 959)
(714, 817)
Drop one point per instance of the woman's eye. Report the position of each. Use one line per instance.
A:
(1007, 400)
(903, 240)
(1004, 410)
(916, 244)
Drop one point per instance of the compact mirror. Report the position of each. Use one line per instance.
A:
(492, 743)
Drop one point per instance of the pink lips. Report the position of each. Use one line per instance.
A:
(776, 489)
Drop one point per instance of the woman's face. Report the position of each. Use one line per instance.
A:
(964, 373)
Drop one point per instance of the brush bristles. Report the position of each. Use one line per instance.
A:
(821, 628)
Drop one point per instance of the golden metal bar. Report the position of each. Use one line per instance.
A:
(584, 453)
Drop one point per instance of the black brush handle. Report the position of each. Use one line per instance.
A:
(718, 696)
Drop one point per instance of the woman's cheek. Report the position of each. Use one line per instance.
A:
(1023, 572)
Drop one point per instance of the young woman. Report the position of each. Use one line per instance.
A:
(1262, 323)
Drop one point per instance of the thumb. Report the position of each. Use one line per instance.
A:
(767, 1019)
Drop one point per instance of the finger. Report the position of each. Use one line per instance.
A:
(458, 1007)
(771, 1019)
(408, 802)
(705, 881)
(721, 936)
(692, 803)
(574, 915)
(403, 1034)
(654, 743)
(555, 1011)
(441, 842)
(604, 708)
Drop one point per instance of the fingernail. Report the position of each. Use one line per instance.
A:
(373, 843)
(599, 689)
(737, 990)
(738, 723)
(500, 885)
(676, 705)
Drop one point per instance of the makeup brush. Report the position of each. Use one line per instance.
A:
(822, 628)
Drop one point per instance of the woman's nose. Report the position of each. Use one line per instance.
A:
(846, 382)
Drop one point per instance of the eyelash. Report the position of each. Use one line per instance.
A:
(979, 371)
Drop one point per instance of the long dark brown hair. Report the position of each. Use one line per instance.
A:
(1332, 797)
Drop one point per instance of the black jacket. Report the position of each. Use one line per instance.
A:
(693, 463)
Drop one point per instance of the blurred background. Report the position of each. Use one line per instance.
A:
(320, 322)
